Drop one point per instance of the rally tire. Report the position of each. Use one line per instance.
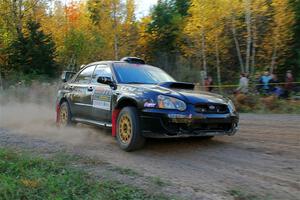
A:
(64, 115)
(129, 135)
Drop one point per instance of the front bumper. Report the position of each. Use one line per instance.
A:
(159, 123)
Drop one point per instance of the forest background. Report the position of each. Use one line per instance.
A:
(187, 38)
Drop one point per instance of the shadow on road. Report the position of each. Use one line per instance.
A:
(182, 144)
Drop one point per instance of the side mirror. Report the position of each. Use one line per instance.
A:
(67, 75)
(105, 80)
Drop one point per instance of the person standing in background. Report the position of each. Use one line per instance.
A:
(275, 89)
(264, 80)
(208, 82)
(273, 83)
(289, 83)
(243, 84)
(257, 83)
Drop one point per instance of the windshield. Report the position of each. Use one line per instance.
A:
(133, 73)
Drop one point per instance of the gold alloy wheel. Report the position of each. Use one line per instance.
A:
(63, 116)
(125, 129)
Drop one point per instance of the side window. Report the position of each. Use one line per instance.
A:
(85, 76)
(101, 70)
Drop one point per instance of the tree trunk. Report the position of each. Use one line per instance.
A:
(217, 52)
(17, 15)
(252, 70)
(116, 48)
(273, 60)
(203, 46)
(275, 49)
(248, 24)
(116, 45)
(1, 82)
(237, 44)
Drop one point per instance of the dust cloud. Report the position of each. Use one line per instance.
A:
(31, 111)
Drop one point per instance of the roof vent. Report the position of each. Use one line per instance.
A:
(133, 60)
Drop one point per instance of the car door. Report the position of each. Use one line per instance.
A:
(82, 91)
(101, 98)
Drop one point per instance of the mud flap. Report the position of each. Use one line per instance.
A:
(114, 118)
(57, 114)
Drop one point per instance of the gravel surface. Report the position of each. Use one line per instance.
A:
(262, 159)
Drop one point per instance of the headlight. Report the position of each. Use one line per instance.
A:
(166, 102)
(231, 106)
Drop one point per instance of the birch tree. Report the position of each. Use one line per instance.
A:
(197, 27)
(235, 8)
(248, 16)
(283, 20)
(129, 34)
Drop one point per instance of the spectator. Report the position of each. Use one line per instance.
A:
(264, 80)
(257, 82)
(274, 88)
(208, 82)
(273, 82)
(289, 83)
(243, 85)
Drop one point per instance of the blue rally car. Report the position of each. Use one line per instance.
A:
(139, 101)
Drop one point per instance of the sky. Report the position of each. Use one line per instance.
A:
(143, 7)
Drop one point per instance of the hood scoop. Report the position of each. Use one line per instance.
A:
(178, 85)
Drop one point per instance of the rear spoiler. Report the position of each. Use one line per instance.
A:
(177, 85)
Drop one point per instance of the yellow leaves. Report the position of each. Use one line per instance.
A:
(130, 8)
(30, 183)
(269, 24)
(206, 17)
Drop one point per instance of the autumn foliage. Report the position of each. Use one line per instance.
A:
(187, 38)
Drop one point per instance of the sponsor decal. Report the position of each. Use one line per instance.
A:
(149, 105)
(102, 98)
(80, 90)
(177, 116)
(101, 104)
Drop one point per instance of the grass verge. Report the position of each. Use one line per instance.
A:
(265, 105)
(238, 194)
(125, 171)
(23, 176)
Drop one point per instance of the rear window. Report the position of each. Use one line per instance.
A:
(85, 75)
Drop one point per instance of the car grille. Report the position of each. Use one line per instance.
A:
(211, 108)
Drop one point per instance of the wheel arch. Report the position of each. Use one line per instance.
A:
(63, 99)
(126, 101)
(59, 102)
(121, 103)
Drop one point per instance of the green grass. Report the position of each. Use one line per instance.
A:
(238, 194)
(125, 171)
(158, 181)
(23, 176)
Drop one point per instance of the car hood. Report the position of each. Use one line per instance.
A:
(195, 97)
(191, 96)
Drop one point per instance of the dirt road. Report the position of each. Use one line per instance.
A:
(263, 159)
